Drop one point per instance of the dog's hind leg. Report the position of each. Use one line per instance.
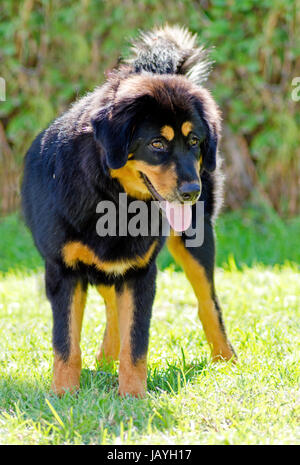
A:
(110, 347)
(198, 265)
(67, 295)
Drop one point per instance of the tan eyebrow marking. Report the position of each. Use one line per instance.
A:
(167, 132)
(186, 128)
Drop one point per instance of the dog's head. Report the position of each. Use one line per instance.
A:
(158, 135)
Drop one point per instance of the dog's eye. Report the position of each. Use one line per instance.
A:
(194, 141)
(157, 144)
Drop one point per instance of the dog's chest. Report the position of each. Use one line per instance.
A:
(112, 257)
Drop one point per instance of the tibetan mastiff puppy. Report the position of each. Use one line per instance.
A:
(151, 131)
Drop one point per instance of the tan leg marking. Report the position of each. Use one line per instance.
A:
(132, 376)
(66, 374)
(110, 347)
(207, 311)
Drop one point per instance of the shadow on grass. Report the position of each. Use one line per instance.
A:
(102, 379)
(173, 378)
(170, 379)
(96, 414)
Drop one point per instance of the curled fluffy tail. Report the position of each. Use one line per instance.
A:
(170, 50)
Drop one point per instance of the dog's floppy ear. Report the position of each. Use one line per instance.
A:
(209, 149)
(113, 133)
(208, 111)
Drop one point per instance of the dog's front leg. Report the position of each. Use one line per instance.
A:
(198, 265)
(134, 303)
(67, 296)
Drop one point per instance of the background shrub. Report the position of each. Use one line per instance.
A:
(53, 51)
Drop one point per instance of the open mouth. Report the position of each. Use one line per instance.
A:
(152, 189)
(179, 215)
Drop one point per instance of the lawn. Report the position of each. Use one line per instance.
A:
(189, 399)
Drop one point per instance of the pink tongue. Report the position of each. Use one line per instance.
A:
(179, 215)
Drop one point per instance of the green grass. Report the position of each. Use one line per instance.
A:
(189, 399)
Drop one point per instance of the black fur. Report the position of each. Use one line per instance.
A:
(67, 173)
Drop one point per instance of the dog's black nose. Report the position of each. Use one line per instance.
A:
(189, 192)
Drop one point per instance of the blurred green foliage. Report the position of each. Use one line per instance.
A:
(53, 51)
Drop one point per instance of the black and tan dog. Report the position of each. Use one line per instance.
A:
(151, 131)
